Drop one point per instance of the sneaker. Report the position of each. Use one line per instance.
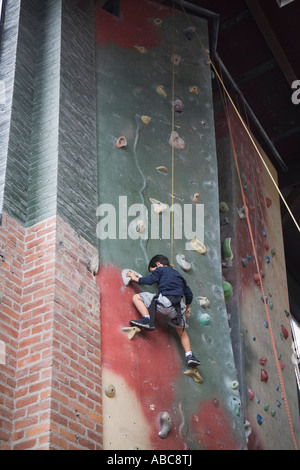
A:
(192, 361)
(143, 323)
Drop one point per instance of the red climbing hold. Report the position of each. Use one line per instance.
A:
(264, 375)
(284, 332)
(250, 394)
(282, 365)
(263, 361)
(268, 202)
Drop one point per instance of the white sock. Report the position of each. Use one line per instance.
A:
(189, 353)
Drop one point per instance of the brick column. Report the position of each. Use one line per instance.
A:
(50, 327)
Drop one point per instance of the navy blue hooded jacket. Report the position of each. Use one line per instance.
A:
(169, 281)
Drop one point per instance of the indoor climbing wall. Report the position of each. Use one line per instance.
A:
(151, 155)
(258, 310)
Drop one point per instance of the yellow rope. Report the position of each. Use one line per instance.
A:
(242, 121)
(172, 146)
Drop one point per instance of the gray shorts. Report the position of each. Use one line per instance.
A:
(164, 306)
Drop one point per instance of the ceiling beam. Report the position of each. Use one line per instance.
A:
(271, 39)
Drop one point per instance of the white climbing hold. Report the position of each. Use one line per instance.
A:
(204, 302)
(176, 141)
(159, 207)
(185, 265)
(127, 279)
(166, 425)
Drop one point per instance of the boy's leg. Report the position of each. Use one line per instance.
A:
(143, 310)
(140, 306)
(191, 360)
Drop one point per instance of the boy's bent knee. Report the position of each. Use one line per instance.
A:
(136, 297)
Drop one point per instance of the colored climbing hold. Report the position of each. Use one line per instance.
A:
(278, 403)
(162, 169)
(266, 324)
(198, 246)
(268, 259)
(234, 384)
(159, 207)
(273, 412)
(259, 419)
(110, 391)
(140, 49)
(176, 142)
(194, 373)
(121, 142)
(268, 202)
(189, 32)
(196, 197)
(227, 252)
(131, 331)
(228, 291)
(287, 314)
(183, 263)
(175, 59)
(161, 91)
(281, 365)
(223, 207)
(236, 405)
(250, 394)
(204, 302)
(264, 375)
(146, 119)
(166, 425)
(194, 89)
(178, 106)
(266, 407)
(126, 279)
(244, 262)
(263, 361)
(284, 332)
(204, 319)
(241, 213)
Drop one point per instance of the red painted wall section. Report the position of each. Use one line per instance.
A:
(150, 365)
(132, 27)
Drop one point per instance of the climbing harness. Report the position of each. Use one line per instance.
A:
(175, 302)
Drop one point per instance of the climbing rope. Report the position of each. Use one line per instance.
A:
(172, 146)
(286, 307)
(242, 121)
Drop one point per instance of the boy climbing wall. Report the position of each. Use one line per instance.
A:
(172, 287)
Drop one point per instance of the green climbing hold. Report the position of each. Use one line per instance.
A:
(228, 291)
(223, 207)
(266, 407)
(204, 319)
(227, 252)
(273, 412)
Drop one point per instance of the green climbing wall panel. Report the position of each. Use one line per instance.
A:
(147, 371)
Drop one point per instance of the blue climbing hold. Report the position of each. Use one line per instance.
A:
(259, 419)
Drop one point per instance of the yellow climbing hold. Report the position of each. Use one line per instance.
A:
(198, 246)
(131, 331)
(194, 373)
(161, 91)
(194, 89)
(140, 49)
(146, 119)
